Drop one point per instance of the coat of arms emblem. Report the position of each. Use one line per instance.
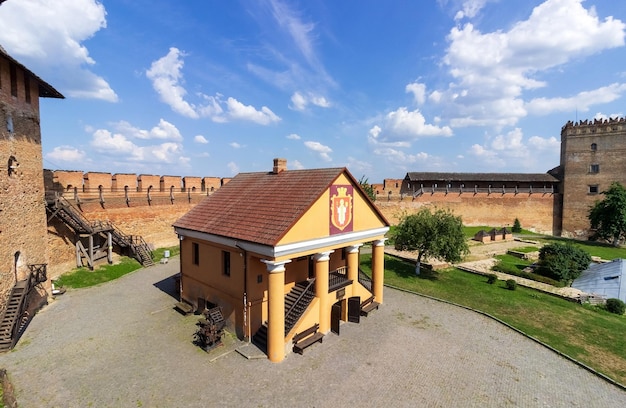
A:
(341, 208)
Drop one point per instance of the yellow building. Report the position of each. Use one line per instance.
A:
(279, 253)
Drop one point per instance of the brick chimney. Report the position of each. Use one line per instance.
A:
(279, 165)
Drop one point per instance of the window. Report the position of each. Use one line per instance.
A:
(593, 189)
(259, 278)
(594, 168)
(594, 147)
(226, 263)
(195, 253)
(27, 88)
(13, 74)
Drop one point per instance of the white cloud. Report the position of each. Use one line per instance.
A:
(470, 9)
(398, 156)
(233, 168)
(542, 144)
(492, 70)
(164, 130)
(120, 145)
(401, 127)
(49, 37)
(581, 102)
(235, 145)
(165, 76)
(296, 165)
(167, 79)
(320, 149)
(418, 90)
(238, 110)
(293, 136)
(109, 142)
(298, 30)
(299, 102)
(200, 139)
(505, 149)
(66, 154)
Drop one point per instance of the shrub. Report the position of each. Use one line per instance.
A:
(492, 278)
(517, 227)
(511, 284)
(615, 306)
(562, 262)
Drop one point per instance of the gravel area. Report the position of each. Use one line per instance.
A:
(121, 344)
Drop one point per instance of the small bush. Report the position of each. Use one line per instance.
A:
(511, 284)
(492, 278)
(517, 227)
(615, 306)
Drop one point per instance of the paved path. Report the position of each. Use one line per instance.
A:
(122, 345)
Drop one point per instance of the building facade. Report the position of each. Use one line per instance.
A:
(592, 157)
(23, 229)
(279, 253)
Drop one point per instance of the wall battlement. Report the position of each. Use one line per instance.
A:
(63, 181)
(593, 126)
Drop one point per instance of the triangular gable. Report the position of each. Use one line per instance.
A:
(343, 208)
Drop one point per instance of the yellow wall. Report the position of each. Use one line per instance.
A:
(315, 223)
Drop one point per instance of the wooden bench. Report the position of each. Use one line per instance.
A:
(306, 338)
(368, 305)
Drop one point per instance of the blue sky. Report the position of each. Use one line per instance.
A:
(213, 88)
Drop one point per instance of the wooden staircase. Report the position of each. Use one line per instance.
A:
(12, 313)
(15, 316)
(134, 245)
(296, 303)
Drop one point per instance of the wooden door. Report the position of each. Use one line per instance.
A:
(354, 309)
(335, 317)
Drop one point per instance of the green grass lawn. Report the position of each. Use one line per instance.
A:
(83, 277)
(588, 334)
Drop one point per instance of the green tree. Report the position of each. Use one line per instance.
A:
(437, 235)
(562, 262)
(517, 227)
(368, 188)
(608, 217)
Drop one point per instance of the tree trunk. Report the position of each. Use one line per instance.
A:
(418, 264)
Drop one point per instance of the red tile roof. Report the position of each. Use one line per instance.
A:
(260, 207)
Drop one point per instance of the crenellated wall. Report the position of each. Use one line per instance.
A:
(144, 204)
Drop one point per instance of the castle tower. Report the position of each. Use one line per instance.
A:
(592, 157)
(23, 229)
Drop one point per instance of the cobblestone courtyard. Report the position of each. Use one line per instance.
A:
(121, 344)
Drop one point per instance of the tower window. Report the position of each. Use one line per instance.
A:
(594, 168)
(593, 189)
(594, 147)
(27, 88)
(13, 75)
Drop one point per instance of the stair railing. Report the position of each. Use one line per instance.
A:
(308, 288)
(365, 280)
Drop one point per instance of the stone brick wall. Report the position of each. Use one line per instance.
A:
(93, 180)
(122, 180)
(192, 183)
(536, 211)
(592, 157)
(168, 182)
(22, 210)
